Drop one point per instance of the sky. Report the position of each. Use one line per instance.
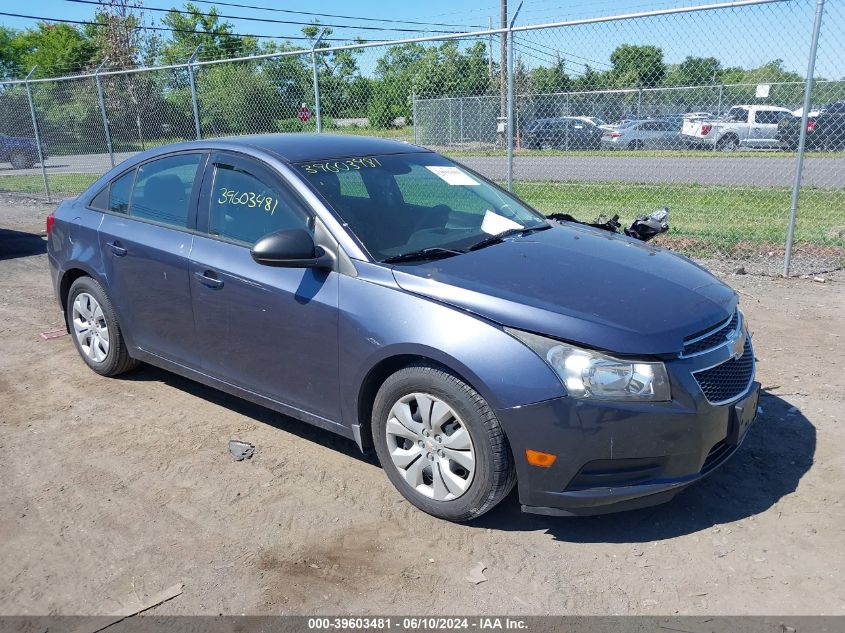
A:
(744, 37)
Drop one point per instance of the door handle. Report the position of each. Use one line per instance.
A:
(208, 278)
(116, 249)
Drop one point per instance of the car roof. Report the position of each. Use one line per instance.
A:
(296, 147)
(304, 146)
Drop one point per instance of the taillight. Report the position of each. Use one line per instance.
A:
(615, 134)
(51, 220)
(705, 129)
(811, 125)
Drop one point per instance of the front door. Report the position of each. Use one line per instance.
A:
(269, 330)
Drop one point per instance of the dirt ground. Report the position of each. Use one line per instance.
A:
(115, 489)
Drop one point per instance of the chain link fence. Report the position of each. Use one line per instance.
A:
(698, 109)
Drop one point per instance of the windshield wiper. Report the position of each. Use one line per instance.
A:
(499, 237)
(435, 252)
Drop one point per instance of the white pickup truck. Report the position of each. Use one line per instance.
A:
(741, 126)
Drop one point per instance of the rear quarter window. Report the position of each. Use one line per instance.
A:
(119, 193)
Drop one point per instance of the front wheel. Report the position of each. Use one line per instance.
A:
(94, 329)
(20, 160)
(440, 443)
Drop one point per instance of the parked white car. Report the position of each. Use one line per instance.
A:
(741, 126)
(648, 134)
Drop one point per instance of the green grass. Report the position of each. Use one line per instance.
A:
(704, 219)
(655, 153)
(67, 184)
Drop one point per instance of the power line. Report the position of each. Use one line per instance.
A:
(276, 21)
(334, 15)
(173, 30)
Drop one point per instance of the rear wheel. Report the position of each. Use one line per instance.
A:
(94, 329)
(635, 145)
(20, 160)
(728, 143)
(440, 443)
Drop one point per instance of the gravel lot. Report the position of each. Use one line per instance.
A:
(115, 489)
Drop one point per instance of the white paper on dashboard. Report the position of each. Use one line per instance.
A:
(493, 223)
(452, 175)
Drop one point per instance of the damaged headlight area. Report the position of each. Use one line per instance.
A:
(589, 374)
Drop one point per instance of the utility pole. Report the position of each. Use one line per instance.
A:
(490, 47)
(503, 66)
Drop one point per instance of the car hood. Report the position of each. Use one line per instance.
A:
(581, 285)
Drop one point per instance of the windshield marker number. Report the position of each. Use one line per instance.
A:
(335, 166)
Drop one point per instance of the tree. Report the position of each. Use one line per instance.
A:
(193, 28)
(695, 71)
(57, 49)
(10, 62)
(637, 66)
(550, 79)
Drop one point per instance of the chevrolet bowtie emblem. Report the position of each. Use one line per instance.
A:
(737, 343)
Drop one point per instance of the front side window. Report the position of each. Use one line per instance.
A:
(163, 188)
(244, 208)
(415, 201)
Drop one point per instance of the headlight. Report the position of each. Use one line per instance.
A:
(589, 374)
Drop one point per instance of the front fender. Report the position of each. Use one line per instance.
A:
(381, 321)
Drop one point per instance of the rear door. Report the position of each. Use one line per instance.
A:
(146, 238)
(272, 331)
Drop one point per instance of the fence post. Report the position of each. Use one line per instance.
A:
(802, 138)
(37, 135)
(461, 102)
(719, 108)
(639, 103)
(510, 114)
(449, 101)
(194, 102)
(318, 119)
(105, 116)
(414, 114)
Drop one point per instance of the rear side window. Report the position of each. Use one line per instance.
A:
(119, 192)
(245, 209)
(768, 116)
(163, 189)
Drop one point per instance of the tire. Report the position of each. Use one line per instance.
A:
(106, 351)
(407, 455)
(20, 160)
(728, 143)
(635, 145)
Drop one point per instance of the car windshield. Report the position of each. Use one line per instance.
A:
(406, 203)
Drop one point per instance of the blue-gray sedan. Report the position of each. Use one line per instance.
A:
(381, 291)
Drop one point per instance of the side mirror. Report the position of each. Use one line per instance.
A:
(290, 248)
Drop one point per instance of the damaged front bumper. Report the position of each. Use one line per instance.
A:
(614, 456)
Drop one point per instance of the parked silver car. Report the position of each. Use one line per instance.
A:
(648, 134)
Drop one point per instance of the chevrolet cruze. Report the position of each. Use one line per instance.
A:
(383, 292)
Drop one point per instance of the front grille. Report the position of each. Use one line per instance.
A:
(728, 380)
(711, 337)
